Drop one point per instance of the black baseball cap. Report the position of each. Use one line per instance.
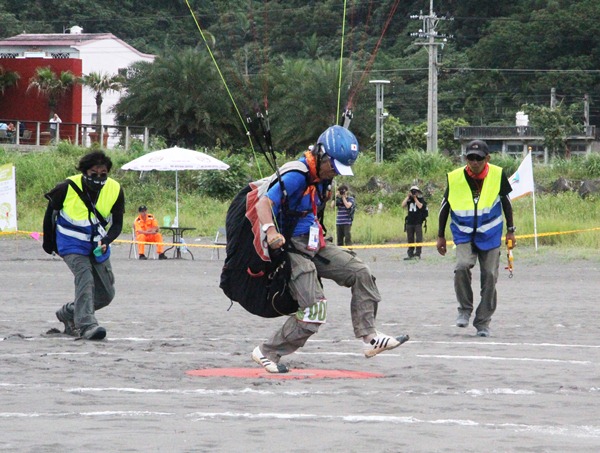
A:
(478, 147)
(142, 208)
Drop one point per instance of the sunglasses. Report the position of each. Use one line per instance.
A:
(476, 157)
(99, 175)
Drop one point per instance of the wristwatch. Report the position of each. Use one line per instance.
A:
(511, 229)
(266, 226)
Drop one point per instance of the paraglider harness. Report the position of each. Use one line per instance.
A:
(253, 275)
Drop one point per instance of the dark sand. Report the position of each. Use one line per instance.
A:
(534, 386)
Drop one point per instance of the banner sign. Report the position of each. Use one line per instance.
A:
(8, 198)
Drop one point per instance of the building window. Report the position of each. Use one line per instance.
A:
(9, 55)
(514, 149)
(578, 149)
(59, 55)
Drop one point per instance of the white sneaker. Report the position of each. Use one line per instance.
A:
(267, 364)
(382, 342)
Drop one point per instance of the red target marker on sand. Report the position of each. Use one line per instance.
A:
(292, 374)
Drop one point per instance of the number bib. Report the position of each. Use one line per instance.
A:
(316, 313)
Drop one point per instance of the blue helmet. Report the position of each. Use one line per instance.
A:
(340, 145)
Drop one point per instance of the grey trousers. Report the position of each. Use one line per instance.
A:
(345, 269)
(94, 289)
(489, 261)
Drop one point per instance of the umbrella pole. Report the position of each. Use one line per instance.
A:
(176, 198)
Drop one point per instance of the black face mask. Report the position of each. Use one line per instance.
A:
(95, 181)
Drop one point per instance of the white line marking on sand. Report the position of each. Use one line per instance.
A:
(574, 431)
(568, 430)
(518, 359)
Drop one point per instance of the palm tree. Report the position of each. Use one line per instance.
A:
(53, 87)
(7, 79)
(100, 83)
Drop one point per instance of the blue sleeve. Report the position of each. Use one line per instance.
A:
(295, 186)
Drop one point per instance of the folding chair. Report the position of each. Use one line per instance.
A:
(220, 239)
(133, 248)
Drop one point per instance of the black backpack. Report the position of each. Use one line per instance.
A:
(253, 276)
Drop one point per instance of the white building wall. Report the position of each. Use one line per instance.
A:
(108, 56)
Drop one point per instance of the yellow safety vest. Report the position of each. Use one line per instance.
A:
(477, 220)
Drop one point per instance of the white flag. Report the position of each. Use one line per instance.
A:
(522, 180)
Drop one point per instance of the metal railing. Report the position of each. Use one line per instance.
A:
(45, 133)
(517, 133)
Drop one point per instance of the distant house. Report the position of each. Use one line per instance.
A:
(78, 52)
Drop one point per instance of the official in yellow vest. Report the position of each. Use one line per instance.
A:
(475, 199)
(84, 216)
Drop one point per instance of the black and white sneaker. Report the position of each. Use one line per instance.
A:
(267, 364)
(382, 342)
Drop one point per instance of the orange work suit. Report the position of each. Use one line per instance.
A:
(148, 224)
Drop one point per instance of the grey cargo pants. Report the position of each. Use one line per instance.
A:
(94, 289)
(489, 261)
(342, 267)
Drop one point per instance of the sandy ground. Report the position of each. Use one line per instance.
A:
(534, 386)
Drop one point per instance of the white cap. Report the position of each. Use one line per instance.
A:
(341, 169)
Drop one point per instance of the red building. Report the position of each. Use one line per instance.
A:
(18, 104)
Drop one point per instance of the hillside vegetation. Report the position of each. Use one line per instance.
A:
(502, 55)
(379, 190)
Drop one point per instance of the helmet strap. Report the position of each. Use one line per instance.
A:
(318, 153)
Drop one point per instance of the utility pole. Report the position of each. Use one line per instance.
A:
(553, 99)
(380, 116)
(433, 40)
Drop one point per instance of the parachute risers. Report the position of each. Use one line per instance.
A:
(251, 276)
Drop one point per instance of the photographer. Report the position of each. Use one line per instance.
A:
(413, 223)
(346, 206)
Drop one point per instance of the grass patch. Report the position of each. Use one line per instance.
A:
(379, 190)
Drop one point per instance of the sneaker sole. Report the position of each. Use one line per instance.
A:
(401, 340)
(461, 324)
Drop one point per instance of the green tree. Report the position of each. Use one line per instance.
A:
(101, 83)
(182, 98)
(306, 90)
(556, 124)
(8, 79)
(53, 87)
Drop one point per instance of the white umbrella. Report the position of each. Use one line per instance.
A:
(175, 159)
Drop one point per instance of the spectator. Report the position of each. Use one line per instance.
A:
(54, 125)
(147, 230)
(10, 131)
(346, 206)
(413, 222)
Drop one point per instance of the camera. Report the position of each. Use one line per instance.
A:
(413, 192)
(342, 191)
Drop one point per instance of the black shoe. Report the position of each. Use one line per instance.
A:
(162, 256)
(69, 324)
(94, 333)
(408, 258)
(142, 257)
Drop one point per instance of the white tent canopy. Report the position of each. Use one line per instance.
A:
(175, 159)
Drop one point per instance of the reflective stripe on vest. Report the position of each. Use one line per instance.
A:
(74, 229)
(483, 225)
